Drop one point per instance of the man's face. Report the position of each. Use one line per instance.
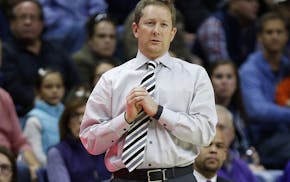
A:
(154, 31)
(274, 35)
(27, 24)
(246, 9)
(103, 42)
(211, 158)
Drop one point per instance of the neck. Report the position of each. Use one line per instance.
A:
(273, 59)
(223, 101)
(33, 46)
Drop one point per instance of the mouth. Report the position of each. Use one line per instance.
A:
(155, 40)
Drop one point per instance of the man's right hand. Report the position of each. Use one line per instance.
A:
(132, 107)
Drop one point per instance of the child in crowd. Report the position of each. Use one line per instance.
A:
(69, 161)
(101, 67)
(41, 127)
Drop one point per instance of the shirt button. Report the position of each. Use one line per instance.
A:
(149, 165)
(150, 142)
(125, 129)
(164, 125)
(112, 141)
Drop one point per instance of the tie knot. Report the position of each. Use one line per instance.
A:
(152, 64)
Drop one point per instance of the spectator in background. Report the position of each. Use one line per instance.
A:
(41, 127)
(65, 158)
(234, 167)
(8, 169)
(101, 67)
(259, 75)
(64, 20)
(226, 84)
(12, 138)
(26, 53)
(100, 44)
(210, 160)
(228, 34)
(195, 11)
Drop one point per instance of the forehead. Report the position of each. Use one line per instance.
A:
(223, 119)
(4, 158)
(224, 67)
(54, 77)
(156, 11)
(274, 23)
(27, 7)
(104, 25)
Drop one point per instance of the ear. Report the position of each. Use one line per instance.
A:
(172, 34)
(135, 29)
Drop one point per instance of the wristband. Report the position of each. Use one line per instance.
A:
(158, 113)
(125, 118)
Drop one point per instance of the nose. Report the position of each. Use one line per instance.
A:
(213, 148)
(156, 29)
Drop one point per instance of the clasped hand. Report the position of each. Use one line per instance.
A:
(138, 99)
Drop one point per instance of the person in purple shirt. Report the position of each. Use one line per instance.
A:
(68, 161)
(234, 167)
(260, 75)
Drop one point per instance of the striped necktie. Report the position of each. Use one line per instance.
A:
(134, 148)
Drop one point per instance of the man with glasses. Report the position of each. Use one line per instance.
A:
(26, 53)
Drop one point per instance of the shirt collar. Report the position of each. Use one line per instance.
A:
(199, 177)
(141, 60)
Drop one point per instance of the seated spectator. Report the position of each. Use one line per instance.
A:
(234, 167)
(195, 11)
(100, 44)
(226, 84)
(64, 20)
(8, 169)
(12, 138)
(41, 127)
(228, 34)
(210, 160)
(101, 67)
(26, 53)
(69, 160)
(259, 75)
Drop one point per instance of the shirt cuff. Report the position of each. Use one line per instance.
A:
(168, 119)
(119, 125)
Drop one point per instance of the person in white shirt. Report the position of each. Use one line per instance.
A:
(181, 109)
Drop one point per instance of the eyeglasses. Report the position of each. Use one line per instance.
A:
(103, 36)
(24, 17)
(5, 169)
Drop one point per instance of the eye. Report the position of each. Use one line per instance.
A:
(164, 25)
